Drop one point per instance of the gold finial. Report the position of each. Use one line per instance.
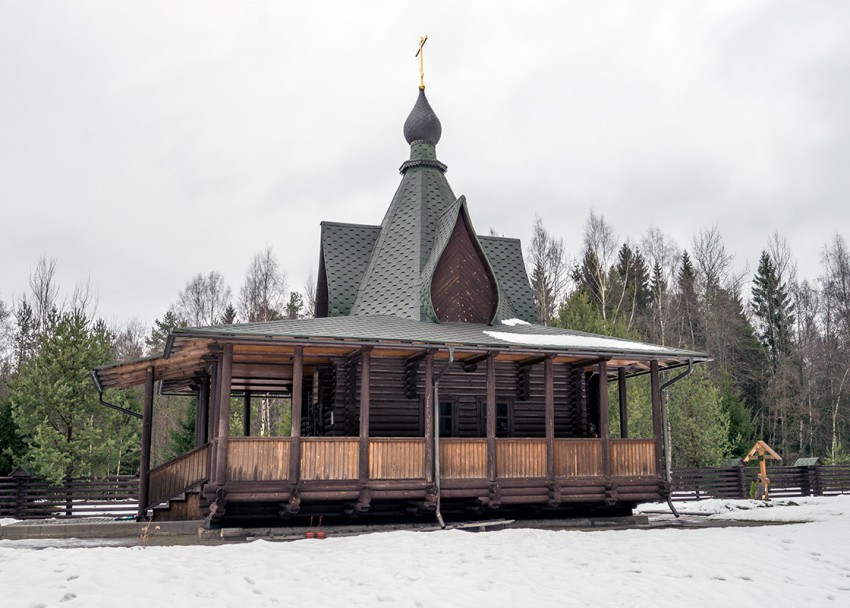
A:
(420, 53)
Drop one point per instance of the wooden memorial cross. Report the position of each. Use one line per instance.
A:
(762, 451)
(421, 54)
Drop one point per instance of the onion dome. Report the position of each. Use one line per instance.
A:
(422, 125)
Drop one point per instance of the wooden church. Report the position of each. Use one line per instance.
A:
(424, 385)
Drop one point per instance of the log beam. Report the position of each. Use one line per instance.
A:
(365, 373)
(295, 416)
(246, 414)
(145, 457)
(604, 432)
(429, 417)
(657, 432)
(491, 417)
(203, 412)
(224, 374)
(549, 406)
(624, 403)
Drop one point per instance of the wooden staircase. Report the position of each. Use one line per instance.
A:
(183, 507)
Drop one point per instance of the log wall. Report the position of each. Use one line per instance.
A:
(396, 403)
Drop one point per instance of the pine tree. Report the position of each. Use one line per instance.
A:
(65, 431)
(699, 424)
(155, 343)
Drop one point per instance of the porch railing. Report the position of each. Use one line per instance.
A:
(578, 458)
(520, 458)
(632, 457)
(338, 458)
(463, 458)
(258, 458)
(174, 477)
(327, 458)
(397, 458)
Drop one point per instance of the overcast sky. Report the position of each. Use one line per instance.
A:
(142, 143)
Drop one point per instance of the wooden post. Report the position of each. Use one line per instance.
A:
(225, 376)
(624, 403)
(212, 427)
(203, 412)
(429, 417)
(604, 431)
(657, 431)
(295, 417)
(491, 417)
(145, 459)
(365, 369)
(246, 413)
(549, 406)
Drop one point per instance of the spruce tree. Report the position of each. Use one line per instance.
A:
(773, 310)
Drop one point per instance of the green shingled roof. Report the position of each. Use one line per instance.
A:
(387, 270)
(345, 250)
(392, 284)
(393, 329)
(505, 256)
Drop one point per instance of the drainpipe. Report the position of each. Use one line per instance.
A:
(99, 387)
(437, 431)
(664, 423)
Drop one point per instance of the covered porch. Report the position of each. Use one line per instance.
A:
(321, 469)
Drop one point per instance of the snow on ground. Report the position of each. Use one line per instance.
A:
(789, 565)
(5, 521)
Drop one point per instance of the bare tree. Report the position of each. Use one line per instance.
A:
(783, 259)
(262, 297)
(45, 290)
(599, 250)
(713, 262)
(6, 340)
(310, 295)
(662, 256)
(84, 298)
(548, 271)
(203, 300)
(129, 342)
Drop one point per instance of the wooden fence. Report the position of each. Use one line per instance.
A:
(23, 496)
(735, 482)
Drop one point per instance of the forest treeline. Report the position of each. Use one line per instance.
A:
(780, 343)
(780, 346)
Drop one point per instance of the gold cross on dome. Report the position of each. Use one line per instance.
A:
(421, 54)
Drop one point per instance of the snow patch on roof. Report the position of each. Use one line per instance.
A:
(573, 341)
(514, 322)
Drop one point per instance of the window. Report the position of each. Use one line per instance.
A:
(447, 417)
(504, 417)
(503, 420)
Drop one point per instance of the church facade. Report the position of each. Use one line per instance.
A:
(423, 385)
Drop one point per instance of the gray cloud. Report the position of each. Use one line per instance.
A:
(143, 143)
